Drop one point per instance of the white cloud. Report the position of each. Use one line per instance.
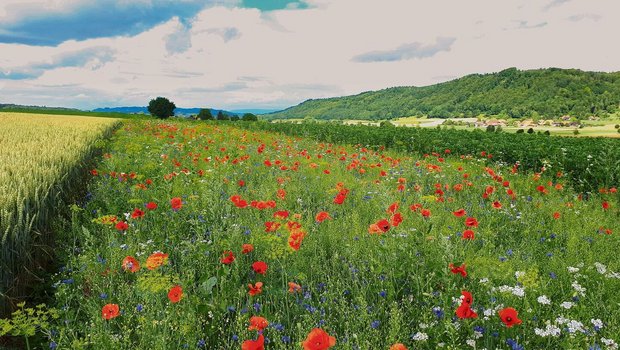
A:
(229, 57)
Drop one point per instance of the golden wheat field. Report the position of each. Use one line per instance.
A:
(40, 158)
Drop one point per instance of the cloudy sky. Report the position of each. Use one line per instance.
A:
(271, 54)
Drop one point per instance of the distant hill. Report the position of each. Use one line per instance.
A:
(11, 106)
(144, 110)
(551, 92)
(254, 111)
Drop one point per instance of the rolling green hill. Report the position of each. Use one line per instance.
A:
(551, 92)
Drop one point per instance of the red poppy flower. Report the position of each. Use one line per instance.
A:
(241, 183)
(271, 226)
(255, 289)
(467, 298)
(295, 239)
(471, 222)
(556, 215)
(282, 214)
(137, 214)
(605, 205)
(468, 234)
(459, 213)
(318, 339)
(425, 213)
(258, 323)
(398, 346)
(122, 226)
(175, 294)
(383, 225)
(458, 269)
(322, 216)
(497, 205)
(465, 311)
(340, 197)
(176, 203)
(228, 258)
(247, 248)
(130, 264)
(259, 267)
(109, 311)
(396, 219)
(151, 205)
(509, 316)
(258, 344)
(156, 260)
(293, 287)
(281, 193)
(393, 208)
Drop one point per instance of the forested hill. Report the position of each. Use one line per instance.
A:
(514, 93)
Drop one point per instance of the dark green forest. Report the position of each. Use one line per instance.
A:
(511, 93)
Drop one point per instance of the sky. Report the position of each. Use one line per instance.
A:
(272, 54)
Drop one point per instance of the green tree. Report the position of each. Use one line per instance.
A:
(234, 118)
(161, 107)
(205, 114)
(249, 117)
(222, 116)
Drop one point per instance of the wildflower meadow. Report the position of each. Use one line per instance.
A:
(208, 236)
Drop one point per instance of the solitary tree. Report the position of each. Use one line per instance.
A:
(205, 114)
(222, 116)
(249, 117)
(161, 107)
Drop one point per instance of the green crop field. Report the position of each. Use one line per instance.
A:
(41, 161)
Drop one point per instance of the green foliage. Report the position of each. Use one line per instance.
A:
(490, 128)
(249, 117)
(205, 114)
(161, 107)
(512, 93)
(25, 322)
(222, 116)
(520, 131)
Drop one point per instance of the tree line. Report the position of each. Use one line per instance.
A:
(163, 108)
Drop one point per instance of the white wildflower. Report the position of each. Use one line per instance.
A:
(574, 326)
(600, 268)
(544, 300)
(518, 291)
(579, 289)
(420, 336)
(610, 343)
(567, 305)
(597, 323)
(471, 343)
(573, 269)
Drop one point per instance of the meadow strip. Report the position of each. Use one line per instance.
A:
(207, 236)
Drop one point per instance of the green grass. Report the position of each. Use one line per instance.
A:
(369, 291)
